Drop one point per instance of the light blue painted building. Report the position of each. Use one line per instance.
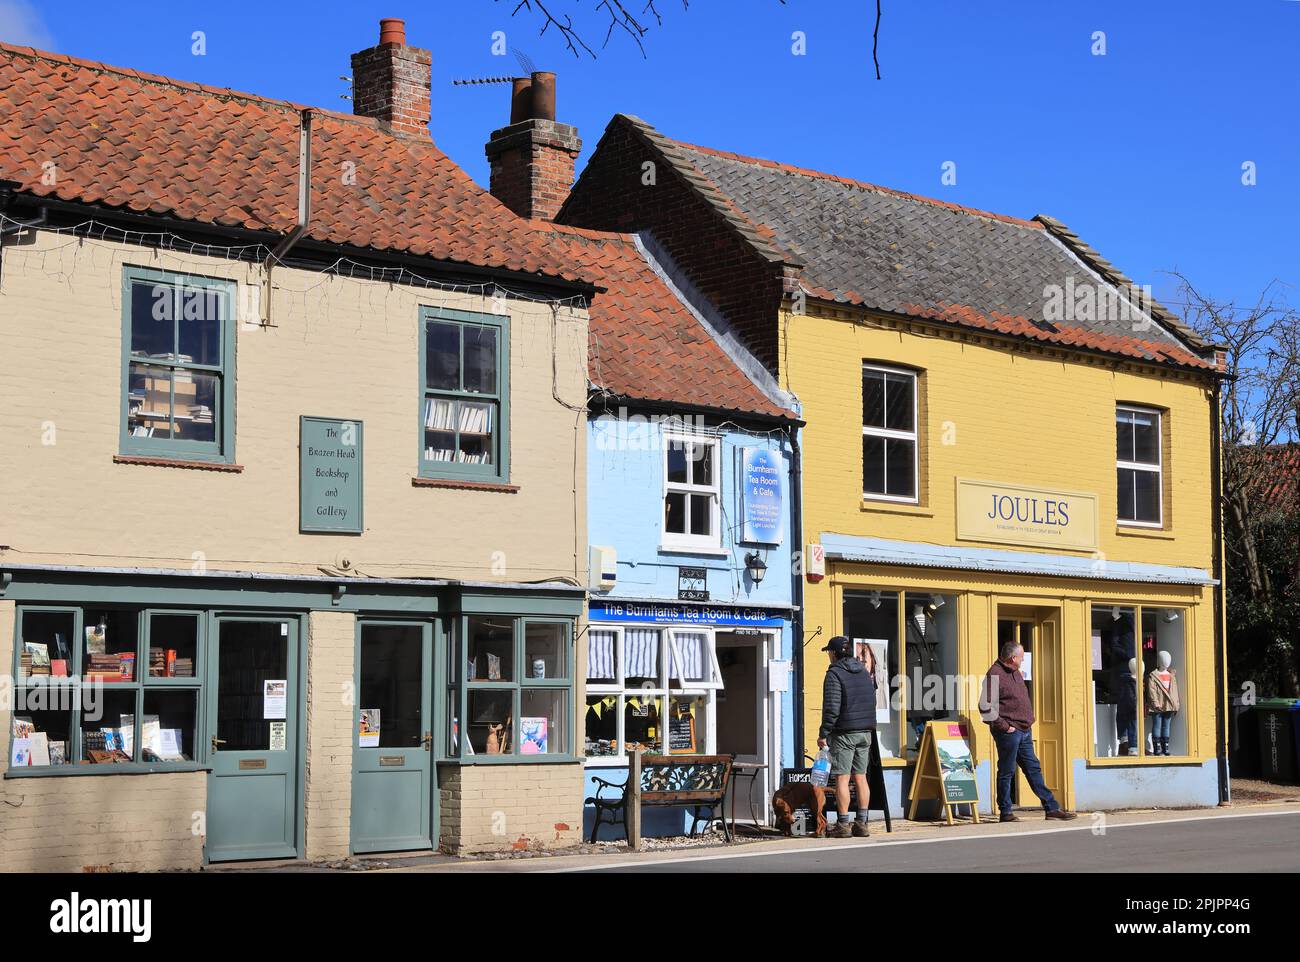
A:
(692, 500)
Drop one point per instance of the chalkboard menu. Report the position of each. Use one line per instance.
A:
(329, 475)
(681, 734)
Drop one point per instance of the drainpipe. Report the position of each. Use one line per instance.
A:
(796, 594)
(1220, 633)
(304, 206)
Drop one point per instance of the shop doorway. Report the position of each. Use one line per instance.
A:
(392, 738)
(1037, 629)
(744, 716)
(253, 713)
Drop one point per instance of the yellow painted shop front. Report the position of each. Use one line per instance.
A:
(934, 631)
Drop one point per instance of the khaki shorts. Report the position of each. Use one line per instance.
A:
(849, 752)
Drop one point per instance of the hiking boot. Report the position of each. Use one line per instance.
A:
(860, 830)
(839, 830)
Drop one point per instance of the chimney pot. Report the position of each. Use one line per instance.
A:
(392, 30)
(521, 100)
(543, 95)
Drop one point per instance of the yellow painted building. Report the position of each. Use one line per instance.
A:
(1005, 440)
(1030, 421)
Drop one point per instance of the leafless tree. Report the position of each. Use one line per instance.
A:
(1261, 424)
(636, 24)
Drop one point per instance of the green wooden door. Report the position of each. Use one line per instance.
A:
(252, 721)
(392, 738)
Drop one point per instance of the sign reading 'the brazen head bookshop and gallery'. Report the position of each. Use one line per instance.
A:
(330, 475)
(1014, 514)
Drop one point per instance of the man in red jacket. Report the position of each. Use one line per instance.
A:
(1006, 706)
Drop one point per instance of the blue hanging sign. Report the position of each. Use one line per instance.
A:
(763, 473)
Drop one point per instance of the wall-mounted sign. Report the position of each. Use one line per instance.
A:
(669, 613)
(692, 584)
(329, 475)
(1014, 514)
(763, 473)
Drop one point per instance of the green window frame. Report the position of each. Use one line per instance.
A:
(463, 418)
(72, 702)
(520, 691)
(176, 404)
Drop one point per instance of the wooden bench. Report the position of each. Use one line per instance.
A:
(697, 781)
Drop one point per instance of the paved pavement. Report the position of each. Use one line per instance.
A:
(1255, 839)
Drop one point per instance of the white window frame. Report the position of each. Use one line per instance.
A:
(1158, 469)
(893, 434)
(674, 541)
(664, 690)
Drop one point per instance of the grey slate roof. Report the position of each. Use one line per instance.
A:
(881, 249)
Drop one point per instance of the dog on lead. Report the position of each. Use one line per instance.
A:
(787, 802)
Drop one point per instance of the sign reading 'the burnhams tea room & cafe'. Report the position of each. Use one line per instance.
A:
(330, 456)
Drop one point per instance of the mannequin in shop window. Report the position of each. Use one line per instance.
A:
(1162, 702)
(1126, 710)
(922, 663)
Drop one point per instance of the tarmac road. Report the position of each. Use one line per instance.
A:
(1255, 843)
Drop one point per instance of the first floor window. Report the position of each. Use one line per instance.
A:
(650, 688)
(1138, 466)
(178, 335)
(512, 685)
(692, 492)
(889, 434)
(106, 685)
(464, 399)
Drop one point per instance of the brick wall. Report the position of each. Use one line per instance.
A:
(613, 194)
(331, 648)
(488, 808)
(127, 823)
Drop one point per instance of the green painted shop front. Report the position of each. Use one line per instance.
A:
(240, 713)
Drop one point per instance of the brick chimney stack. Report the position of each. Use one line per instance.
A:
(391, 81)
(532, 159)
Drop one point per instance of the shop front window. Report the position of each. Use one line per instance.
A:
(106, 685)
(516, 687)
(1137, 657)
(650, 688)
(910, 640)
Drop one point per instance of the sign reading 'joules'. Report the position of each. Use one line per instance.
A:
(1014, 514)
(330, 476)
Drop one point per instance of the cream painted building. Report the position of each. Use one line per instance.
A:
(293, 538)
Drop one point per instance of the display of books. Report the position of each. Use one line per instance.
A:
(38, 662)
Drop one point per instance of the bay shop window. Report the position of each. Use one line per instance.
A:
(652, 688)
(105, 686)
(1139, 674)
(512, 682)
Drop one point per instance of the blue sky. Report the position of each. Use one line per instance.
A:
(1140, 151)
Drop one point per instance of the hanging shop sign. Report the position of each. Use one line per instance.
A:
(692, 584)
(650, 612)
(1014, 514)
(329, 475)
(764, 492)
